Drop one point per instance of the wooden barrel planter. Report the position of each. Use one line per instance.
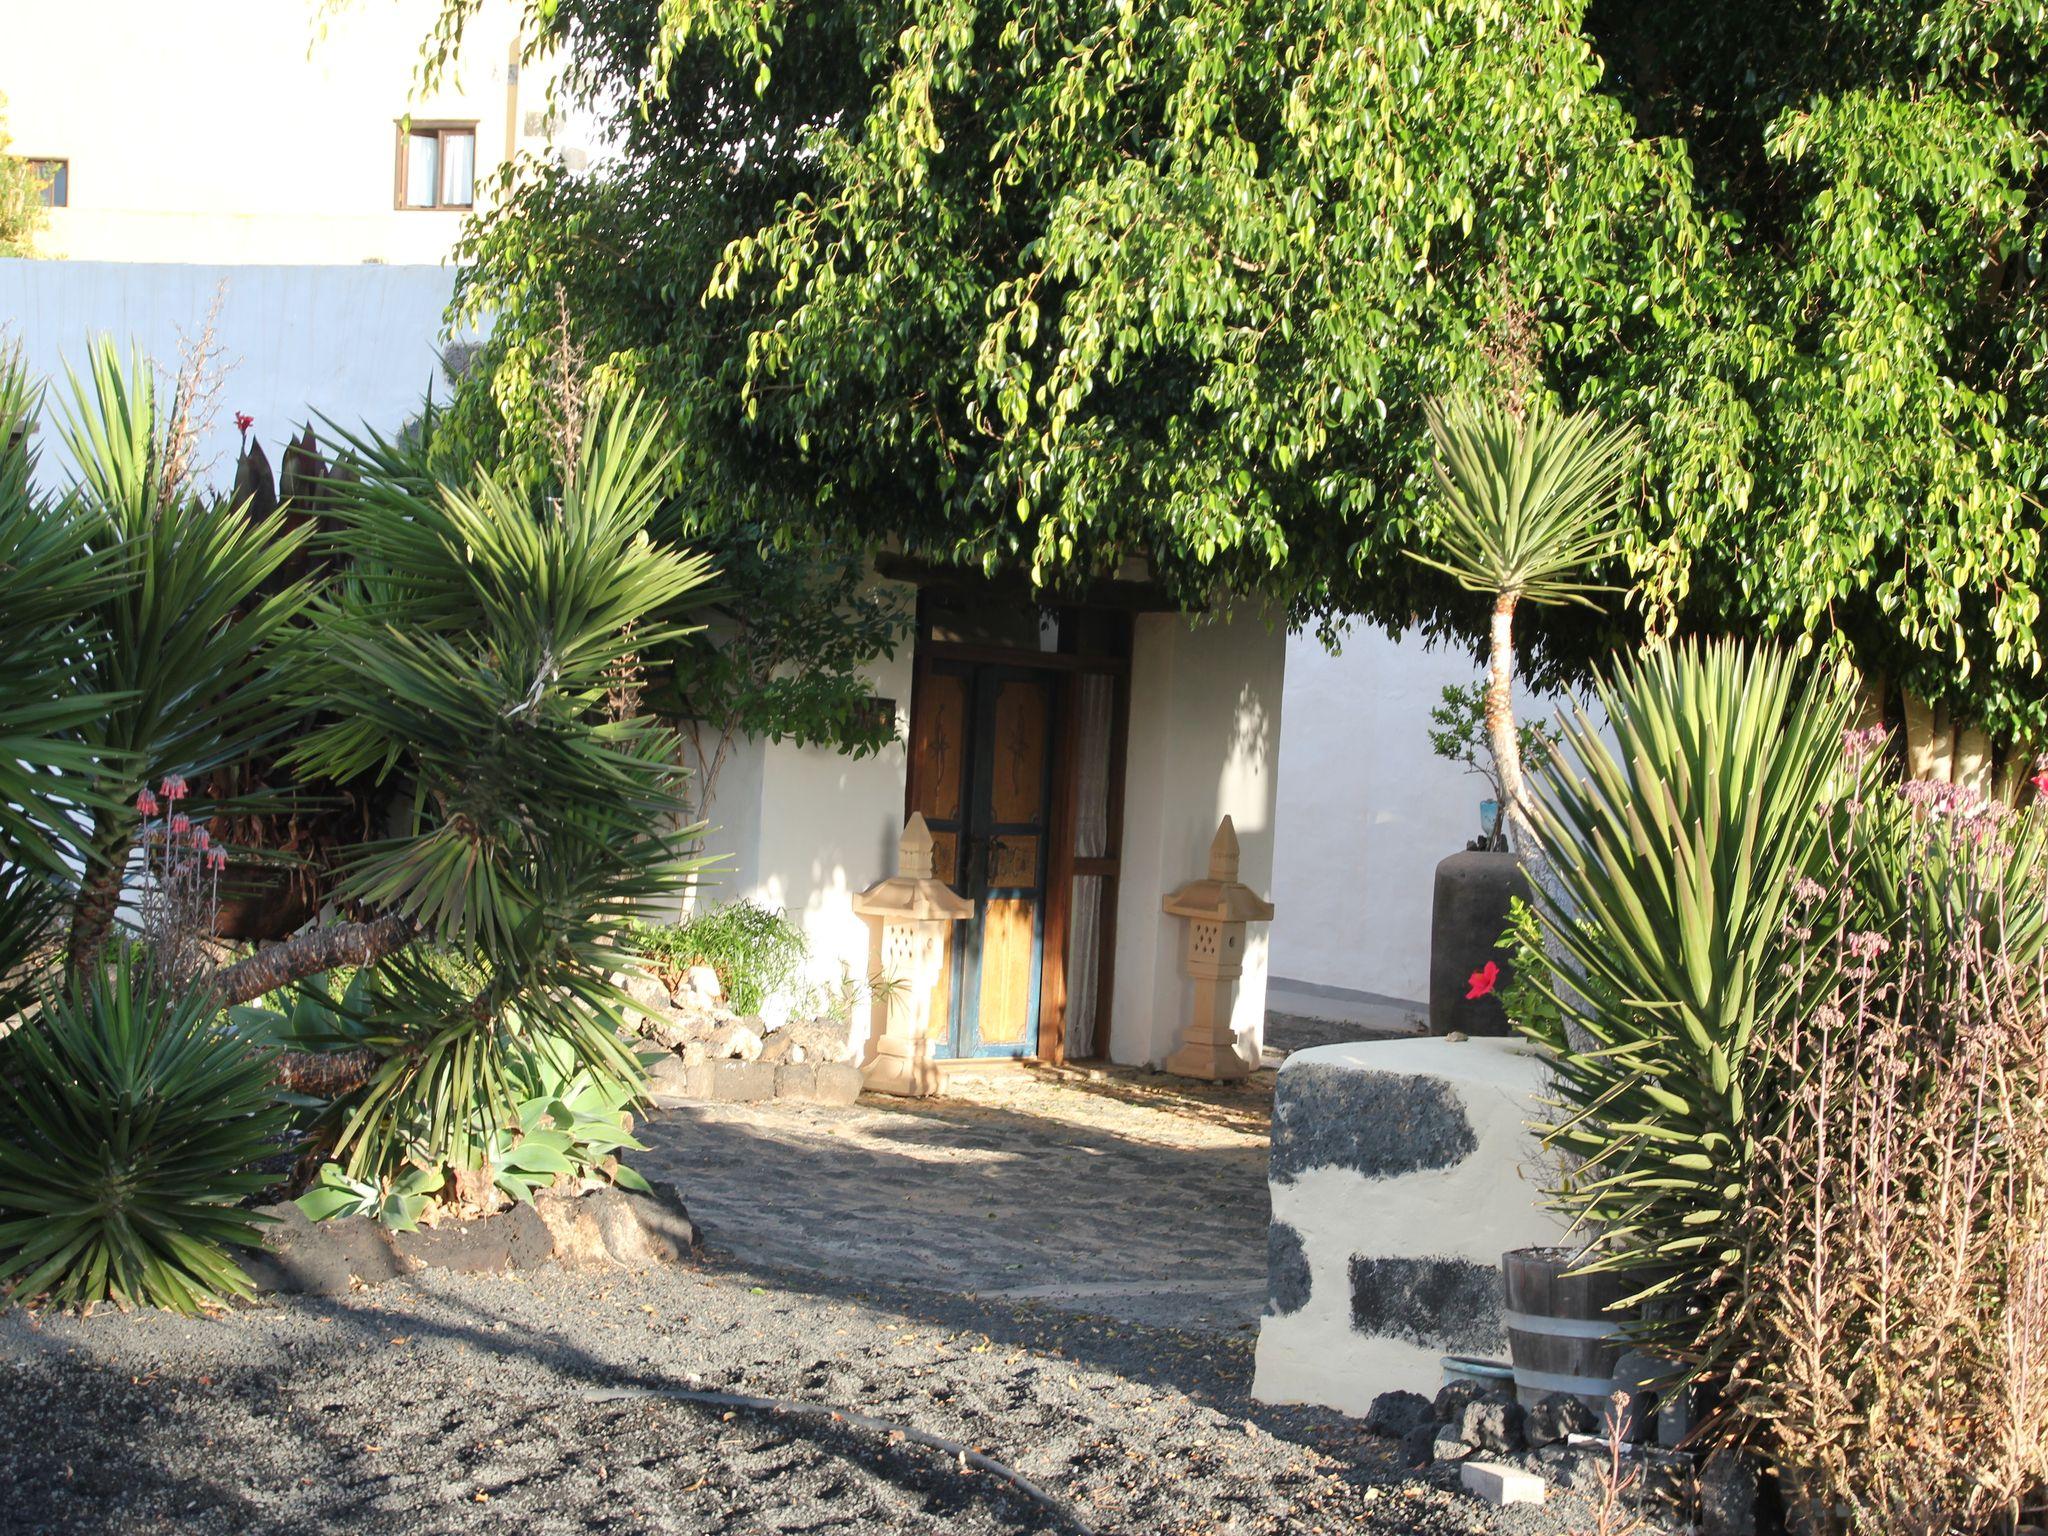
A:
(1561, 1337)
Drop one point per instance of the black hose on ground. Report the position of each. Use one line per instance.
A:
(965, 1455)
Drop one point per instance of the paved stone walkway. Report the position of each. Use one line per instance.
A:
(1117, 1192)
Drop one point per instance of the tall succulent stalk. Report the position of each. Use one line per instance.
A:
(1528, 505)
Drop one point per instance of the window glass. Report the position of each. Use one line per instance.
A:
(422, 169)
(458, 170)
(56, 179)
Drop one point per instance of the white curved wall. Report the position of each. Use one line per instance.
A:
(1366, 811)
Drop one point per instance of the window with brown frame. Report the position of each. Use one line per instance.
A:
(436, 165)
(53, 177)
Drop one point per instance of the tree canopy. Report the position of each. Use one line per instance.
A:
(1050, 286)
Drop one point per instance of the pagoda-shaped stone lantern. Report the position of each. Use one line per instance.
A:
(1216, 910)
(911, 915)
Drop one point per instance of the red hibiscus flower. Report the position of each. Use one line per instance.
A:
(1482, 981)
(2041, 783)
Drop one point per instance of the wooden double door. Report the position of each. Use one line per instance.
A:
(985, 771)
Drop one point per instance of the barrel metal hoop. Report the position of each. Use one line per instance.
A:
(1564, 1327)
(1558, 1381)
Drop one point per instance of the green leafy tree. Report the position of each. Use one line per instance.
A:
(1047, 286)
(780, 658)
(21, 197)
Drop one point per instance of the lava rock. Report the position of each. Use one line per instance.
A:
(1727, 1489)
(1493, 1423)
(1450, 1444)
(1288, 1287)
(664, 1217)
(1378, 1124)
(1399, 1414)
(1575, 1469)
(1555, 1415)
(1418, 1446)
(1452, 1397)
(473, 1247)
(303, 1257)
(1439, 1304)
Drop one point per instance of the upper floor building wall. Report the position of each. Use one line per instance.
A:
(190, 131)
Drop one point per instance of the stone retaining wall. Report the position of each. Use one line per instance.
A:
(1401, 1171)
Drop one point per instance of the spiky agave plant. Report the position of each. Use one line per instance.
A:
(1526, 508)
(129, 1131)
(1678, 853)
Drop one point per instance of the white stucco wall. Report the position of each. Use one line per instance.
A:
(357, 344)
(1366, 811)
(805, 829)
(249, 133)
(1204, 743)
(1471, 1212)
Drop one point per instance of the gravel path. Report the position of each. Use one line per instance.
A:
(1061, 1271)
(464, 1403)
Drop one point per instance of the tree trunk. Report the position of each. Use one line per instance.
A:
(322, 1074)
(1500, 728)
(327, 1074)
(312, 953)
(99, 898)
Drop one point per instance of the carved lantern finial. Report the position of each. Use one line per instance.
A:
(1217, 910)
(912, 916)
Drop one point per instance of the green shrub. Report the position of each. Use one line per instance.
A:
(568, 1121)
(129, 1132)
(756, 953)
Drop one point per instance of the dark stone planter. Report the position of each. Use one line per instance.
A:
(1473, 893)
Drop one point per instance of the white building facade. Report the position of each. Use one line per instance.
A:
(287, 131)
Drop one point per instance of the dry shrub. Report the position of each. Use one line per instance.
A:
(1895, 1316)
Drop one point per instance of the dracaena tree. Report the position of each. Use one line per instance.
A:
(471, 643)
(1529, 504)
(480, 648)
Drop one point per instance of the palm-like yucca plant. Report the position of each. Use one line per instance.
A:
(1678, 854)
(129, 1131)
(184, 648)
(50, 579)
(472, 650)
(1527, 508)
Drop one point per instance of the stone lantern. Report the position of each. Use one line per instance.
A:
(912, 917)
(1216, 910)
